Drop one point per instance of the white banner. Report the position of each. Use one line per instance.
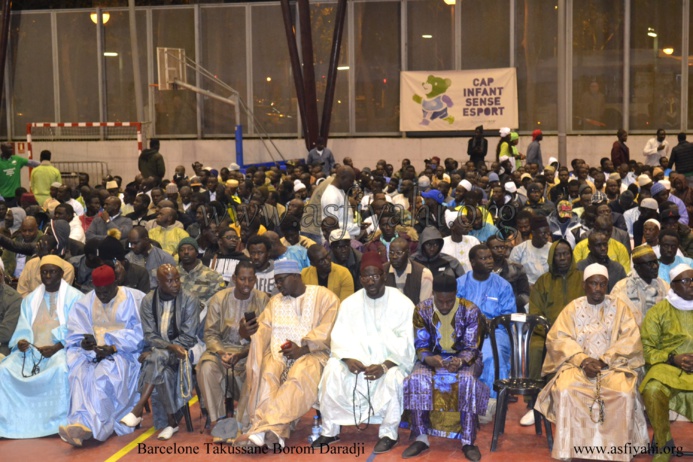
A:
(458, 100)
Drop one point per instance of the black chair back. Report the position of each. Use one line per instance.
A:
(519, 327)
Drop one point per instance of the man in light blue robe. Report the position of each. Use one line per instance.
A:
(494, 297)
(104, 341)
(36, 405)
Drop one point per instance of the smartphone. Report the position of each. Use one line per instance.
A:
(249, 316)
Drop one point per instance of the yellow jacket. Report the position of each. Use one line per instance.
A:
(168, 238)
(339, 281)
(617, 252)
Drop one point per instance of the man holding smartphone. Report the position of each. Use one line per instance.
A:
(231, 320)
(104, 338)
(286, 357)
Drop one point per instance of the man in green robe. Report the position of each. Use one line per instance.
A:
(549, 295)
(667, 339)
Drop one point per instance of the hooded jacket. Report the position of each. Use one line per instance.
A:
(439, 262)
(151, 163)
(553, 291)
(557, 231)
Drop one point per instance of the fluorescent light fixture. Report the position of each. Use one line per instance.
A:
(668, 51)
(104, 17)
(110, 53)
(426, 36)
(450, 2)
(342, 68)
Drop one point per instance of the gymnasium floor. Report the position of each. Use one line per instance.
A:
(519, 444)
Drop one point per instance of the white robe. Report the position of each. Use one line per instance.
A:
(371, 331)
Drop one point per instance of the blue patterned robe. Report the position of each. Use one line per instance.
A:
(444, 403)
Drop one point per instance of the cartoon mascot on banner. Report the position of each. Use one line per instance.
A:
(435, 104)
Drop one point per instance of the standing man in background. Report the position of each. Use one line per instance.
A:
(534, 150)
(321, 155)
(151, 162)
(656, 148)
(10, 166)
(477, 147)
(43, 176)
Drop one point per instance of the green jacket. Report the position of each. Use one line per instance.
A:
(666, 330)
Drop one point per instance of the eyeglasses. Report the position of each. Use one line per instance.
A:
(371, 277)
(397, 253)
(684, 281)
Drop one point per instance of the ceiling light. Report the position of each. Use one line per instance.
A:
(104, 18)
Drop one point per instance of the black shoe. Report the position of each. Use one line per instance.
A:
(324, 441)
(471, 452)
(416, 448)
(384, 444)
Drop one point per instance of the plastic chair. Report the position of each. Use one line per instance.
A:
(520, 328)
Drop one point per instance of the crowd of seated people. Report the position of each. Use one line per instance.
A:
(363, 291)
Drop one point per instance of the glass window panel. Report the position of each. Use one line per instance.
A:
(30, 54)
(597, 65)
(120, 83)
(377, 49)
(323, 16)
(485, 34)
(535, 59)
(77, 68)
(176, 110)
(430, 35)
(274, 94)
(223, 54)
(655, 74)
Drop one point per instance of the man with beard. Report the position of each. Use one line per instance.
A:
(594, 339)
(170, 317)
(373, 336)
